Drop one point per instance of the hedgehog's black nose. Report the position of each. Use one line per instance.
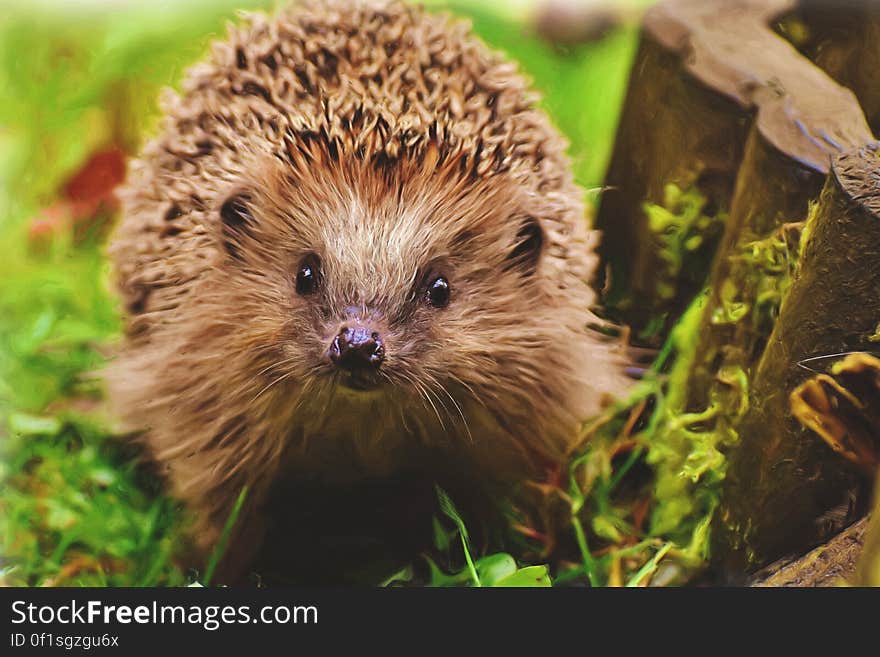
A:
(357, 349)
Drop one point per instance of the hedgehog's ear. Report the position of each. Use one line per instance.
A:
(237, 221)
(527, 247)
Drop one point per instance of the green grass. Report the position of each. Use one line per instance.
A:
(76, 508)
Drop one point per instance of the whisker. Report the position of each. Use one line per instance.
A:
(435, 383)
(439, 399)
(276, 381)
(328, 399)
(423, 392)
(460, 412)
(469, 388)
(408, 379)
(279, 363)
(430, 398)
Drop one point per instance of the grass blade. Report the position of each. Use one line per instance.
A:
(220, 548)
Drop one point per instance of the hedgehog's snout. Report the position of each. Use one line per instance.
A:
(357, 351)
(356, 348)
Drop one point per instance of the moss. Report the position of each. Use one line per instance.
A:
(687, 449)
(685, 446)
(761, 274)
(682, 225)
(754, 279)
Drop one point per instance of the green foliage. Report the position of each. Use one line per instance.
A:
(77, 77)
(768, 266)
(73, 511)
(687, 448)
(220, 548)
(682, 227)
(499, 569)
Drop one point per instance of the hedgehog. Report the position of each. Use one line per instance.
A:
(356, 245)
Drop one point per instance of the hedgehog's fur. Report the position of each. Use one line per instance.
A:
(390, 142)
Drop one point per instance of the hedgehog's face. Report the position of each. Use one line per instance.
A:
(411, 293)
(356, 351)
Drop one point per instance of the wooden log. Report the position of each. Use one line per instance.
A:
(867, 572)
(831, 564)
(785, 488)
(695, 95)
(673, 131)
(843, 39)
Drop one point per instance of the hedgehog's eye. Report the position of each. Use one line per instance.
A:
(308, 278)
(438, 292)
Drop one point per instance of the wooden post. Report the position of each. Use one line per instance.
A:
(843, 39)
(696, 97)
(785, 489)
